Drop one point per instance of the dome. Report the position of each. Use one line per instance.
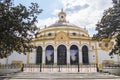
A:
(63, 25)
(60, 24)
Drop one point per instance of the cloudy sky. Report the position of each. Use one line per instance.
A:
(83, 13)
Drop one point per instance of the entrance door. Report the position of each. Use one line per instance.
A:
(85, 58)
(61, 55)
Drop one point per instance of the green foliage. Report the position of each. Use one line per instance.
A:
(116, 49)
(109, 26)
(17, 27)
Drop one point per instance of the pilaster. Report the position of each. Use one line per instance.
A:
(96, 52)
(80, 56)
(43, 56)
(68, 56)
(55, 56)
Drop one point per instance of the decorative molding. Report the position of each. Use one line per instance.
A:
(106, 44)
(61, 36)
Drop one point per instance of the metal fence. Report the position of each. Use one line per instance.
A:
(9, 66)
(110, 66)
(51, 68)
(59, 68)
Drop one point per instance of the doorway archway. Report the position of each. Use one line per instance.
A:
(61, 55)
(74, 55)
(39, 55)
(85, 57)
(49, 55)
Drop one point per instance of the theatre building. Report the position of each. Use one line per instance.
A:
(63, 43)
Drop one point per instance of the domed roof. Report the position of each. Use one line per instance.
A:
(58, 24)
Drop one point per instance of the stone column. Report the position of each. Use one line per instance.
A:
(55, 56)
(68, 56)
(43, 57)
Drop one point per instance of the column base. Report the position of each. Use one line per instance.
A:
(92, 63)
(80, 63)
(68, 64)
(55, 64)
(43, 64)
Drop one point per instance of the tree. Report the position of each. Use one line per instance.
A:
(17, 27)
(109, 26)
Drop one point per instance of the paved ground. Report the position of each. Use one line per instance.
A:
(59, 76)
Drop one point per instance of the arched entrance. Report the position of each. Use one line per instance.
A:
(49, 55)
(39, 55)
(61, 55)
(85, 57)
(74, 55)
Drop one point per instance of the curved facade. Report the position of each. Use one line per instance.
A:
(64, 43)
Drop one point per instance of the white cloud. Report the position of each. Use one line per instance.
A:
(83, 13)
(46, 22)
(56, 11)
(89, 16)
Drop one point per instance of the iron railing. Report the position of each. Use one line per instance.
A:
(9, 66)
(59, 68)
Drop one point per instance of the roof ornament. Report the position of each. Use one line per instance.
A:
(62, 16)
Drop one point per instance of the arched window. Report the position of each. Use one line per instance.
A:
(61, 55)
(49, 55)
(85, 57)
(74, 55)
(39, 55)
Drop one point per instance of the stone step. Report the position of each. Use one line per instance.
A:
(60, 76)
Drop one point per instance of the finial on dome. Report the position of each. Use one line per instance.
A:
(62, 16)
